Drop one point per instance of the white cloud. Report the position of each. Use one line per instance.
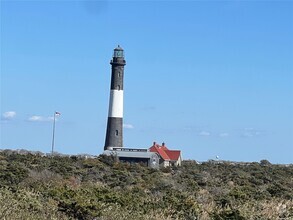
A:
(249, 129)
(8, 115)
(37, 118)
(247, 134)
(204, 133)
(128, 126)
(251, 132)
(224, 134)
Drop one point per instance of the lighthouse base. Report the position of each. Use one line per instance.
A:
(114, 135)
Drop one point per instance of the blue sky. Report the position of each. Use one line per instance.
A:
(212, 78)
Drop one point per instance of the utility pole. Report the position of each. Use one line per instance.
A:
(53, 138)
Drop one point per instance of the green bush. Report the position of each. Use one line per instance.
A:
(36, 187)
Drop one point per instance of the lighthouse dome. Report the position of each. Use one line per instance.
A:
(118, 48)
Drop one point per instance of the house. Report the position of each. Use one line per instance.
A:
(167, 157)
(134, 155)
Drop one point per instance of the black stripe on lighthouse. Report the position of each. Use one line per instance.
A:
(114, 133)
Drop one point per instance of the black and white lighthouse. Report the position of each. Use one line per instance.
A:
(114, 134)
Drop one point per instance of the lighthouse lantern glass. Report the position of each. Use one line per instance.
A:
(118, 53)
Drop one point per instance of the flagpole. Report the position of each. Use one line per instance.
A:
(53, 139)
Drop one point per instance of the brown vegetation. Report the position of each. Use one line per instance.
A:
(36, 187)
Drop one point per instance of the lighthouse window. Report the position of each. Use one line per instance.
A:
(116, 132)
(118, 87)
(119, 74)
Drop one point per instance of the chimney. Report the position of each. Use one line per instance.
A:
(163, 144)
(154, 144)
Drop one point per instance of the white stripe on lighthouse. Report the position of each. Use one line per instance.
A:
(116, 104)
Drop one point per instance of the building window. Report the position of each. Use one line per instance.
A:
(116, 132)
(119, 74)
(118, 87)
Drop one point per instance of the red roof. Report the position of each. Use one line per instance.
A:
(165, 153)
(160, 151)
(173, 154)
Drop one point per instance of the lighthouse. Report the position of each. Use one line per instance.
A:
(114, 133)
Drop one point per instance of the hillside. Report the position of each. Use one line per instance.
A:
(39, 187)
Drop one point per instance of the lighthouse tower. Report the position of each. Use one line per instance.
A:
(114, 134)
